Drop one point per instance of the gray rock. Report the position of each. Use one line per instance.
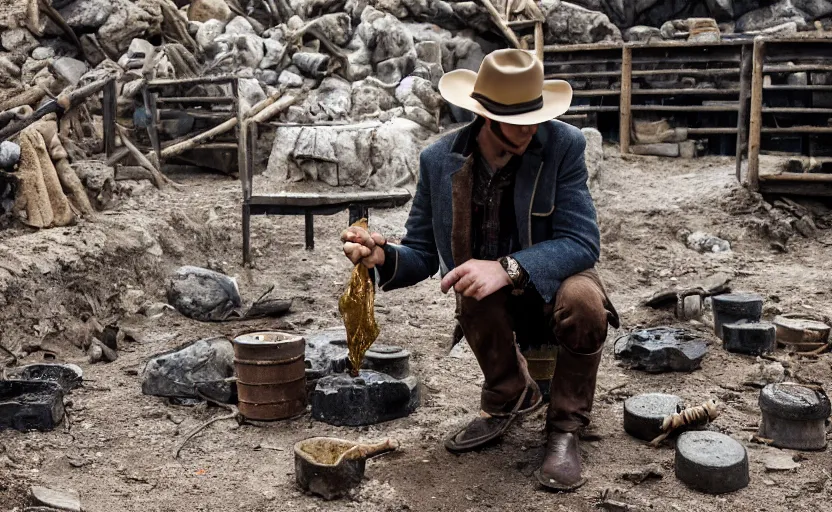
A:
(18, 40)
(247, 51)
(661, 349)
(275, 51)
(206, 10)
(267, 76)
(8, 67)
(711, 462)
(71, 70)
(209, 32)
(65, 499)
(138, 54)
(92, 49)
(703, 242)
(778, 461)
(593, 155)
(239, 26)
(336, 27)
(290, 79)
(203, 294)
(644, 414)
(335, 97)
(30, 405)
(568, 23)
(781, 12)
(368, 399)
(9, 154)
(311, 64)
(814, 8)
(641, 33)
(250, 93)
(87, 15)
(128, 21)
(202, 365)
(721, 9)
(43, 53)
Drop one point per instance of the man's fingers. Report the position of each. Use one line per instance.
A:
(378, 239)
(464, 283)
(473, 291)
(359, 236)
(453, 276)
(355, 252)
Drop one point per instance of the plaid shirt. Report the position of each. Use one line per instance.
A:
(494, 229)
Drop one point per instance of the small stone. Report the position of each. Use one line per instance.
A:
(239, 26)
(368, 399)
(752, 338)
(208, 32)
(642, 33)
(290, 79)
(711, 462)
(205, 10)
(203, 294)
(661, 349)
(71, 70)
(9, 154)
(18, 40)
(62, 500)
(87, 15)
(462, 350)
(43, 53)
(644, 414)
(704, 243)
(779, 462)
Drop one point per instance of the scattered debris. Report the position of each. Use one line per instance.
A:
(735, 308)
(752, 338)
(801, 334)
(778, 461)
(203, 294)
(766, 373)
(703, 242)
(687, 417)
(68, 376)
(661, 349)
(711, 462)
(642, 474)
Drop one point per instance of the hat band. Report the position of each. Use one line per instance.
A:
(502, 109)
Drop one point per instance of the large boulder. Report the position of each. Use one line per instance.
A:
(129, 20)
(203, 294)
(208, 32)
(390, 46)
(568, 23)
(782, 12)
(18, 40)
(199, 367)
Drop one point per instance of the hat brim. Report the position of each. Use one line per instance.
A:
(456, 87)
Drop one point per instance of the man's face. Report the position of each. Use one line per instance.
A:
(511, 138)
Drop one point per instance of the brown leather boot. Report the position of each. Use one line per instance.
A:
(572, 393)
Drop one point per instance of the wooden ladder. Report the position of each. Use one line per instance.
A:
(525, 14)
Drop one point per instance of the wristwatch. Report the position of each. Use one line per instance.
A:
(515, 273)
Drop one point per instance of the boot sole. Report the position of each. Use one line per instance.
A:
(552, 485)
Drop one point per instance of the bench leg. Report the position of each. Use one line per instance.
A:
(246, 234)
(310, 232)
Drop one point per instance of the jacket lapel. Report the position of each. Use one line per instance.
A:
(462, 183)
(525, 187)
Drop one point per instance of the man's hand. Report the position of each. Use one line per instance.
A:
(361, 246)
(476, 278)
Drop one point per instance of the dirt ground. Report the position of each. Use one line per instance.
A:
(117, 450)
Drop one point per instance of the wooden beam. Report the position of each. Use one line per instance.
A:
(626, 99)
(538, 39)
(742, 113)
(166, 82)
(109, 106)
(178, 149)
(756, 114)
(501, 24)
(159, 179)
(152, 130)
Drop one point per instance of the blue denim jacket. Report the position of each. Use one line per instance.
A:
(555, 215)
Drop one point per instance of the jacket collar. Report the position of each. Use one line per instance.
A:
(465, 142)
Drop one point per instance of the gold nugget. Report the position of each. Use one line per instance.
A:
(356, 308)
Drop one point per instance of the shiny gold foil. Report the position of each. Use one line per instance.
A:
(356, 308)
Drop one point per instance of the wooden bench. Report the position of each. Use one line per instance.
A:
(310, 204)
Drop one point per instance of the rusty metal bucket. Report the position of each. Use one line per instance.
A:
(271, 375)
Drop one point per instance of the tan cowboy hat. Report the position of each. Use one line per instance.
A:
(509, 88)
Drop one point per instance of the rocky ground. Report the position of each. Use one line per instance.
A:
(117, 448)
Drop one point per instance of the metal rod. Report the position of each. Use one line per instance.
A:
(246, 233)
(310, 231)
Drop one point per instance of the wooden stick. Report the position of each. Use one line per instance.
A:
(56, 17)
(149, 99)
(158, 178)
(118, 155)
(232, 415)
(538, 40)
(501, 24)
(133, 172)
(178, 149)
(30, 96)
(109, 117)
(272, 110)
(756, 115)
(626, 99)
(742, 113)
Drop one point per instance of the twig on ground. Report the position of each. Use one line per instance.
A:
(234, 414)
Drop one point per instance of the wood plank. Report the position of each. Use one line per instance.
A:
(500, 22)
(798, 87)
(685, 108)
(798, 129)
(796, 110)
(684, 91)
(625, 100)
(742, 113)
(197, 80)
(796, 68)
(108, 114)
(595, 92)
(399, 196)
(815, 177)
(211, 100)
(711, 131)
(592, 108)
(687, 72)
(756, 115)
(587, 74)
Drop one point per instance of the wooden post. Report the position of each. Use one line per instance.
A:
(626, 98)
(109, 117)
(150, 108)
(742, 113)
(253, 135)
(310, 231)
(246, 233)
(538, 40)
(242, 159)
(501, 23)
(756, 115)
